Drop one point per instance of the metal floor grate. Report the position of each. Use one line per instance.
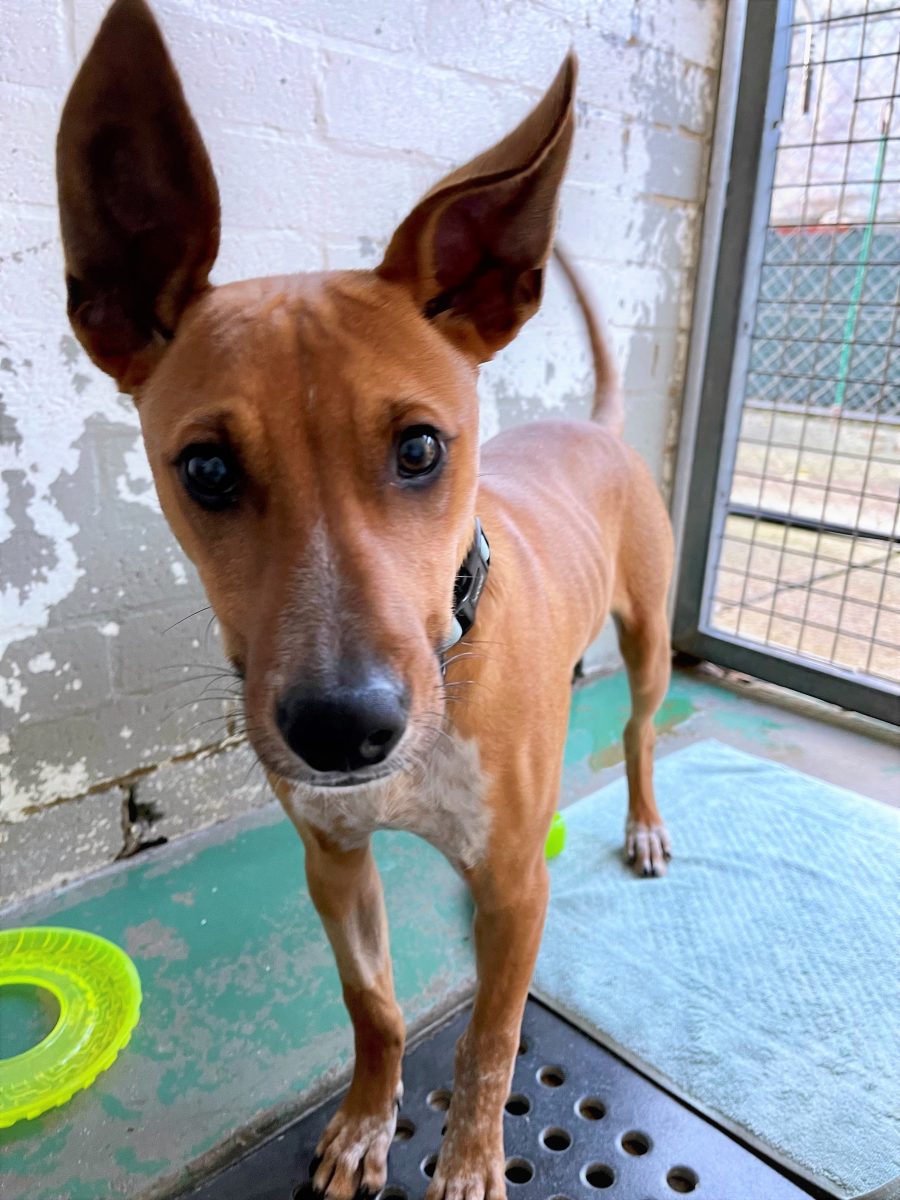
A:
(580, 1125)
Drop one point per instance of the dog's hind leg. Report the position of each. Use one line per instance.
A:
(346, 890)
(644, 642)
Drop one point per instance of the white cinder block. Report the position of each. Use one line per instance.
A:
(362, 253)
(652, 360)
(637, 297)
(691, 28)
(33, 42)
(599, 150)
(32, 272)
(236, 68)
(446, 116)
(521, 43)
(86, 16)
(619, 226)
(646, 420)
(29, 116)
(271, 182)
(355, 195)
(260, 176)
(631, 66)
(669, 162)
(677, 92)
(245, 254)
(387, 26)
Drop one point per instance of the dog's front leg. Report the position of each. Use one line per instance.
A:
(346, 890)
(511, 902)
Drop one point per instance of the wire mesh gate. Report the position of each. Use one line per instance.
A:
(793, 571)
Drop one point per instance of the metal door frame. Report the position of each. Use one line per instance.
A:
(749, 113)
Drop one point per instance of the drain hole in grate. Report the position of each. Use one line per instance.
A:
(523, 1046)
(428, 1164)
(439, 1099)
(556, 1139)
(599, 1175)
(519, 1170)
(552, 1077)
(405, 1129)
(682, 1179)
(392, 1193)
(589, 1108)
(518, 1105)
(635, 1143)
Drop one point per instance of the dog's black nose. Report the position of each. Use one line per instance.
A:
(344, 728)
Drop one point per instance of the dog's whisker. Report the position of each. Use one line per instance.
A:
(193, 702)
(207, 677)
(240, 723)
(204, 724)
(463, 655)
(200, 678)
(205, 608)
(235, 690)
(166, 688)
(221, 665)
(440, 732)
(254, 763)
(212, 621)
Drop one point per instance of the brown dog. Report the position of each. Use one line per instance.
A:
(314, 441)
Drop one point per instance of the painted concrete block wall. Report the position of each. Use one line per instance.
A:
(326, 119)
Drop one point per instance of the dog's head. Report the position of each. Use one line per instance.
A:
(313, 438)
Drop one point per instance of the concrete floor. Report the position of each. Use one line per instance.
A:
(242, 1023)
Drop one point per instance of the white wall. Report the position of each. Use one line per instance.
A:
(325, 119)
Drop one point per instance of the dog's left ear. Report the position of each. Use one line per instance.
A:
(472, 252)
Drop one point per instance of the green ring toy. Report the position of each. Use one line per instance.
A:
(99, 995)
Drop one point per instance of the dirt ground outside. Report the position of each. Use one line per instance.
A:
(833, 597)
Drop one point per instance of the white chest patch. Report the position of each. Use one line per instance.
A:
(443, 801)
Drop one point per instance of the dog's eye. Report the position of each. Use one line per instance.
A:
(419, 450)
(210, 475)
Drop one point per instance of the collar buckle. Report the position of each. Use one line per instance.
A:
(470, 581)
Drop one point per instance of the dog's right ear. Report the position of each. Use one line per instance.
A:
(139, 206)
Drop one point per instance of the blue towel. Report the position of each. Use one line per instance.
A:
(760, 980)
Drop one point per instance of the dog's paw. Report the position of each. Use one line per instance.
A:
(473, 1173)
(647, 847)
(352, 1154)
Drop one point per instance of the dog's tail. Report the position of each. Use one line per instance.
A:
(608, 408)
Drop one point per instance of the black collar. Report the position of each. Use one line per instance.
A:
(470, 581)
